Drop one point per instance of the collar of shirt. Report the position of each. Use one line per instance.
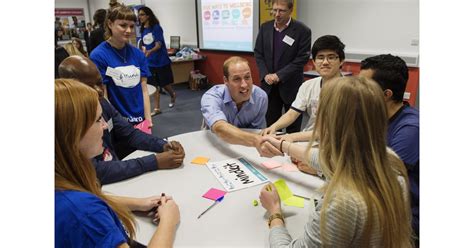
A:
(228, 97)
(284, 27)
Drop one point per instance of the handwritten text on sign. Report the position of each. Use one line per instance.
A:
(235, 174)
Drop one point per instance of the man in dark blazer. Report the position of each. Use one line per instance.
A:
(282, 48)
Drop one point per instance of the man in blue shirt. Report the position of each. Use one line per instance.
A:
(391, 73)
(235, 104)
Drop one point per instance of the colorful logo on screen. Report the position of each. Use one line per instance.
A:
(215, 15)
(225, 14)
(236, 13)
(207, 15)
(246, 12)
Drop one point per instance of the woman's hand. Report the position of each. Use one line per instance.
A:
(304, 167)
(270, 199)
(146, 204)
(168, 211)
(273, 140)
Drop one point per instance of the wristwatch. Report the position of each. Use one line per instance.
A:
(275, 216)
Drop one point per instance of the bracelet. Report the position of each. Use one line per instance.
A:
(281, 146)
(275, 216)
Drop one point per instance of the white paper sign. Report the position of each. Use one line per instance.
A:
(235, 174)
(129, 76)
(288, 40)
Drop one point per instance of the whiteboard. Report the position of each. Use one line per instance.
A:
(365, 26)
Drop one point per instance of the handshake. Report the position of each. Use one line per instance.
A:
(269, 144)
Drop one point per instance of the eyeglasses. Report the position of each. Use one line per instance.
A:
(331, 58)
(142, 14)
(283, 11)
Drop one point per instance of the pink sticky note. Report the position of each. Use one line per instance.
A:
(214, 194)
(271, 164)
(144, 126)
(289, 167)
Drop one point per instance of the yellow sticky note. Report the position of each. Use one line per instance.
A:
(283, 191)
(295, 201)
(200, 160)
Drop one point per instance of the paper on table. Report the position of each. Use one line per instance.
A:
(295, 201)
(287, 196)
(200, 160)
(289, 167)
(214, 194)
(283, 191)
(271, 164)
(144, 126)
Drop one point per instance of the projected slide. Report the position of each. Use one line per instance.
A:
(227, 24)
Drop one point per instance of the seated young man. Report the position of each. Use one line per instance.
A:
(235, 104)
(328, 57)
(403, 133)
(108, 167)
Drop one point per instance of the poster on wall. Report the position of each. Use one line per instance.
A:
(266, 11)
(69, 22)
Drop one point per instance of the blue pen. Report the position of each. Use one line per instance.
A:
(213, 204)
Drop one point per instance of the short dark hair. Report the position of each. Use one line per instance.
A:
(99, 17)
(329, 42)
(390, 72)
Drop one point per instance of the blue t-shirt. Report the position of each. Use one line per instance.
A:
(217, 104)
(121, 71)
(84, 220)
(403, 136)
(149, 37)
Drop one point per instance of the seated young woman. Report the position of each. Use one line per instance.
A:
(364, 202)
(84, 215)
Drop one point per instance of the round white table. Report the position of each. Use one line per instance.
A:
(234, 222)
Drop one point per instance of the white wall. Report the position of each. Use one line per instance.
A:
(177, 17)
(365, 26)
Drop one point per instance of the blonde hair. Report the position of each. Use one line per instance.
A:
(351, 124)
(75, 112)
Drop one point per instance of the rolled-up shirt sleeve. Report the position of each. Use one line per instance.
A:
(211, 107)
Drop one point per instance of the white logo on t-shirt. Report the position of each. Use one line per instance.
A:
(148, 39)
(129, 76)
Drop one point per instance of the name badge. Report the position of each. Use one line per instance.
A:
(288, 40)
(113, 73)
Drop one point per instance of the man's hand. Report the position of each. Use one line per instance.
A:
(266, 149)
(174, 146)
(169, 159)
(268, 130)
(271, 78)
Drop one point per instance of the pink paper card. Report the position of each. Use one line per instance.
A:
(214, 194)
(144, 126)
(289, 167)
(271, 164)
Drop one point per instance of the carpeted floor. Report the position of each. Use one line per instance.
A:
(184, 117)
